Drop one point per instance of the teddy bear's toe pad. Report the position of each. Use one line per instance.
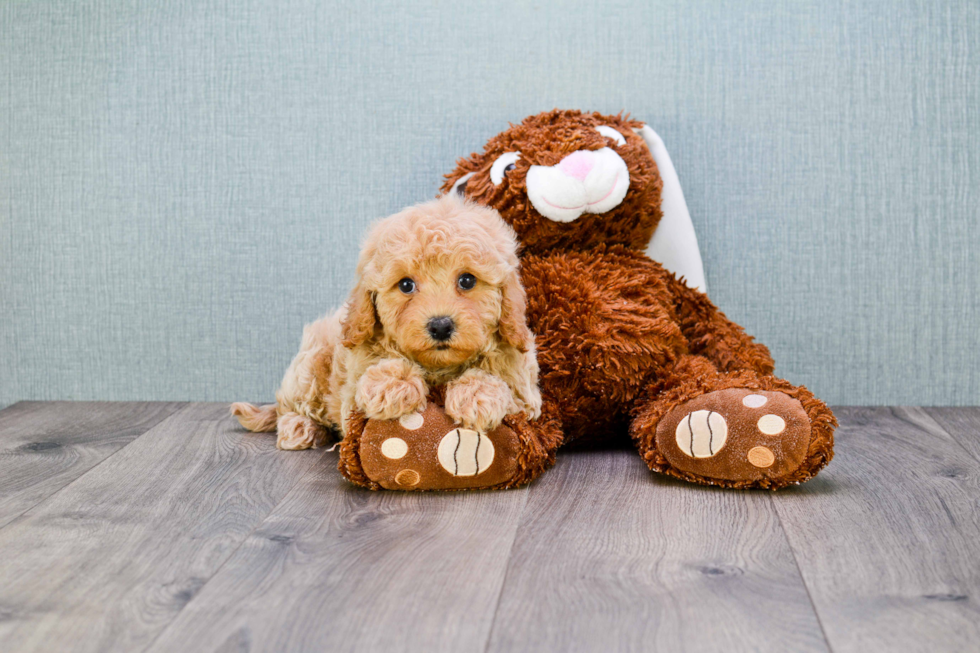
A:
(427, 451)
(736, 435)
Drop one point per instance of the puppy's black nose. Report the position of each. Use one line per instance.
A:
(441, 328)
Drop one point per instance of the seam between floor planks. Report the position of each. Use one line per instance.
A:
(13, 518)
(67, 486)
(840, 477)
(51, 612)
(231, 556)
(510, 554)
(232, 553)
(330, 534)
(799, 571)
(619, 558)
(901, 602)
(952, 436)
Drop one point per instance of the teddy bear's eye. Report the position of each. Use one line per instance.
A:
(609, 132)
(407, 286)
(504, 163)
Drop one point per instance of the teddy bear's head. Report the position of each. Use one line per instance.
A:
(568, 180)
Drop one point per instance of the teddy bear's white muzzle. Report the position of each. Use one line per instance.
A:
(586, 181)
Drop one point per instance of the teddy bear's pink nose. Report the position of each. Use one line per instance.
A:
(577, 164)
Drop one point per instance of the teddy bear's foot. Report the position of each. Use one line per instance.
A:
(739, 437)
(736, 435)
(427, 451)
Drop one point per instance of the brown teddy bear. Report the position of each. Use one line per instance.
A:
(624, 346)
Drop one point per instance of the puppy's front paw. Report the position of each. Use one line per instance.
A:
(390, 389)
(478, 400)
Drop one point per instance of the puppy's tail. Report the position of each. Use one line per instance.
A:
(260, 419)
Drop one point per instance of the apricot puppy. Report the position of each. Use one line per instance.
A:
(438, 302)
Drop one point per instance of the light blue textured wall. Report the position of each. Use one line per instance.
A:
(184, 184)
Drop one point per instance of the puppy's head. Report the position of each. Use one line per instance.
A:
(438, 282)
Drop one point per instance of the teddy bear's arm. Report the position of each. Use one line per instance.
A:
(711, 334)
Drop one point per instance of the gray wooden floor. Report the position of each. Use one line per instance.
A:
(164, 527)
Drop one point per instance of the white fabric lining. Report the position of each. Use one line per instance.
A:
(674, 244)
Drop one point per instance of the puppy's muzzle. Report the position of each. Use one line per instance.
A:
(441, 328)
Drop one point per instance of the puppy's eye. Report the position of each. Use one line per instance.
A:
(609, 132)
(504, 163)
(407, 286)
(466, 281)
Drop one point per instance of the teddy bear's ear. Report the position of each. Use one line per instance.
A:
(674, 244)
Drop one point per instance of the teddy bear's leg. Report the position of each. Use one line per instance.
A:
(734, 429)
(712, 335)
(427, 451)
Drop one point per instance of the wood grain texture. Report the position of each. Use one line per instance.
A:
(888, 536)
(46, 446)
(611, 557)
(962, 423)
(196, 536)
(340, 568)
(108, 562)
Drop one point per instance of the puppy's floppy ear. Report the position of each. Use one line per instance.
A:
(513, 319)
(361, 320)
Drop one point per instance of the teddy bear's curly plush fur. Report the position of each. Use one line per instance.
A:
(623, 345)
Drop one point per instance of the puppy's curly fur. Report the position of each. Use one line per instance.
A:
(377, 354)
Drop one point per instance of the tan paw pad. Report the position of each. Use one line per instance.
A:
(394, 448)
(761, 457)
(701, 434)
(754, 401)
(771, 424)
(408, 478)
(464, 452)
(412, 421)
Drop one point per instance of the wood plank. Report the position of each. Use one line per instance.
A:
(44, 446)
(888, 536)
(108, 562)
(611, 557)
(339, 568)
(962, 423)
